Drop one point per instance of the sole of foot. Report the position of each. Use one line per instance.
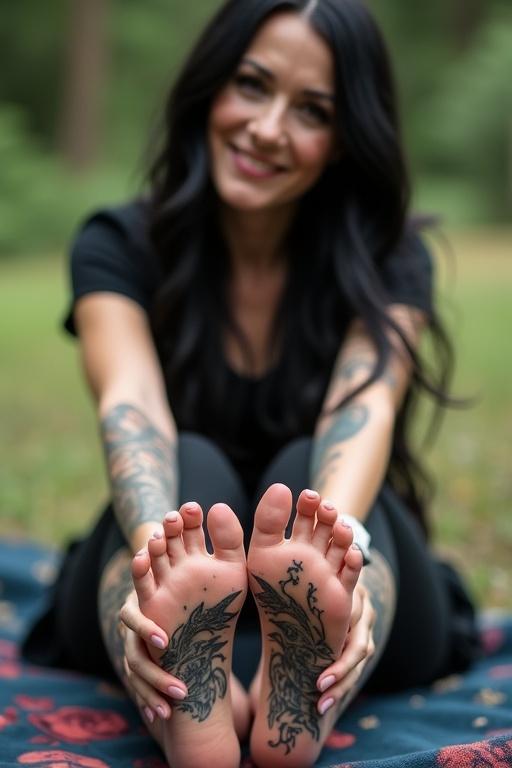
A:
(196, 597)
(303, 588)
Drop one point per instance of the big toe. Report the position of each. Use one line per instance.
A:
(226, 533)
(271, 516)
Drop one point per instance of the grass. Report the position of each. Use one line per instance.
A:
(52, 481)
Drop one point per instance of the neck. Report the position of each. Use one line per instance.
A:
(256, 240)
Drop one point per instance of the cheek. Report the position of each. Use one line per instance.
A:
(315, 152)
(225, 113)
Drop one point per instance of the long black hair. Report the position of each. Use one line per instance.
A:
(346, 227)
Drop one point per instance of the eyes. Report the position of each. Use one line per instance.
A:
(255, 88)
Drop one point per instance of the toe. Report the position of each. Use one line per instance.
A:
(271, 516)
(173, 527)
(143, 580)
(226, 533)
(326, 517)
(351, 569)
(157, 548)
(193, 534)
(342, 537)
(304, 523)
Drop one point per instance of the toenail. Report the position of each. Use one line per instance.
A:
(176, 693)
(161, 713)
(171, 517)
(310, 494)
(325, 705)
(157, 642)
(326, 683)
(149, 714)
(140, 553)
(328, 504)
(346, 525)
(156, 535)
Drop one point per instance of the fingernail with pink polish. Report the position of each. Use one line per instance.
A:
(325, 705)
(157, 642)
(326, 682)
(161, 713)
(149, 714)
(176, 693)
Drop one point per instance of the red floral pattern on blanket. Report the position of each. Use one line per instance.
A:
(481, 754)
(33, 703)
(59, 759)
(80, 725)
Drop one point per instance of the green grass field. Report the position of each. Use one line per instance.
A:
(52, 480)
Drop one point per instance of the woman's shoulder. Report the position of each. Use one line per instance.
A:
(407, 270)
(126, 223)
(111, 252)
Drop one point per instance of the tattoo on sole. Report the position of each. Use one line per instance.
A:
(299, 654)
(194, 656)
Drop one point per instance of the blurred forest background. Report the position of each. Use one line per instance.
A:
(80, 88)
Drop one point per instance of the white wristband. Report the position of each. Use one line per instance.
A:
(361, 536)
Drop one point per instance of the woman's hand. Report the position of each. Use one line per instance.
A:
(338, 680)
(143, 675)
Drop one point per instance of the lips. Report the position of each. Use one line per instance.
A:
(253, 165)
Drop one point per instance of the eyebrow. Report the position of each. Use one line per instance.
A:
(268, 75)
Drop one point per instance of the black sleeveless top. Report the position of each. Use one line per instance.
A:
(112, 253)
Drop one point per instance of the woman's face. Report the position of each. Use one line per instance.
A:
(271, 129)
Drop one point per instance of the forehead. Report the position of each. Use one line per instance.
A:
(293, 51)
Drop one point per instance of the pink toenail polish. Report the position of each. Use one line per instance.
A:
(171, 517)
(326, 682)
(149, 714)
(176, 693)
(140, 553)
(156, 535)
(328, 504)
(310, 494)
(325, 705)
(346, 525)
(157, 642)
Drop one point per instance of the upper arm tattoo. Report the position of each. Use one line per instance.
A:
(357, 363)
(141, 464)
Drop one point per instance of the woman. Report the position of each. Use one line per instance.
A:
(250, 330)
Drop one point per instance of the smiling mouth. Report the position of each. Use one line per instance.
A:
(254, 166)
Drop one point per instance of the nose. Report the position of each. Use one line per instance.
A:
(267, 128)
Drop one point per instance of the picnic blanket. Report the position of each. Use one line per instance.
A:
(56, 719)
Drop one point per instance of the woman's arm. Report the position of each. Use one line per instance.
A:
(137, 427)
(351, 447)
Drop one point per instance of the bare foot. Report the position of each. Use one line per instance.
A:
(196, 598)
(303, 587)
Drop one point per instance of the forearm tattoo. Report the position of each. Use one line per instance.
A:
(116, 585)
(194, 656)
(141, 465)
(345, 425)
(299, 654)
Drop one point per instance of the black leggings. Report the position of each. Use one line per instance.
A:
(419, 644)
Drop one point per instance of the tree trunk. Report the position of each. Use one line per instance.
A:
(85, 74)
(466, 17)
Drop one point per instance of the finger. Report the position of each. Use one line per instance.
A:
(336, 693)
(357, 649)
(147, 698)
(357, 607)
(130, 614)
(143, 666)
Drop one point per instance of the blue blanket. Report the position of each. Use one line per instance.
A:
(55, 719)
